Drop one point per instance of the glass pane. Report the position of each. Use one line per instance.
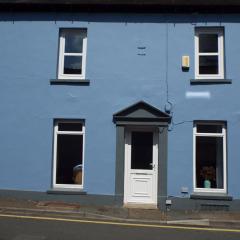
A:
(70, 126)
(142, 150)
(208, 65)
(208, 43)
(69, 159)
(72, 65)
(73, 42)
(204, 128)
(209, 162)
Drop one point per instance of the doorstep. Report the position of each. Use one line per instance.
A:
(140, 206)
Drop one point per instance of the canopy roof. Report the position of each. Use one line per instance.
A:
(141, 112)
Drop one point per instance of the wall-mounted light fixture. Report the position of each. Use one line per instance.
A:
(185, 62)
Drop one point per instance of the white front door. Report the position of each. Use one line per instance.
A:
(141, 167)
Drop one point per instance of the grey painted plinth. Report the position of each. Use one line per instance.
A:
(84, 199)
(189, 204)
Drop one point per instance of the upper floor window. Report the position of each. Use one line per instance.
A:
(209, 53)
(72, 53)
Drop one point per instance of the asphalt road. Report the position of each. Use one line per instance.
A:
(17, 228)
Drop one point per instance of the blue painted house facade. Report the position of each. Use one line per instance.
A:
(121, 104)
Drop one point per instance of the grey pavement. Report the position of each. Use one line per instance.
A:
(120, 214)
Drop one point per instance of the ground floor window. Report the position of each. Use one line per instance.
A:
(68, 154)
(210, 157)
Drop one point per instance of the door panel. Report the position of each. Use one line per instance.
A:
(141, 150)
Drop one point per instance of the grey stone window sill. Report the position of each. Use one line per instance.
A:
(210, 81)
(83, 82)
(211, 196)
(66, 191)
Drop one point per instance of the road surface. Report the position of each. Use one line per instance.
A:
(27, 227)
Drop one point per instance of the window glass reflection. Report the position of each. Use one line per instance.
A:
(73, 42)
(208, 43)
(72, 65)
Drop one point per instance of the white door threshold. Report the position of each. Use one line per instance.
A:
(140, 205)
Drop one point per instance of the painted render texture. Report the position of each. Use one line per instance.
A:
(130, 57)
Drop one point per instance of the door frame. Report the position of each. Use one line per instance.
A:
(143, 114)
(127, 163)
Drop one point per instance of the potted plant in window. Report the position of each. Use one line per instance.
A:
(208, 173)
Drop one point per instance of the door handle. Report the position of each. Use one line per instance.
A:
(153, 165)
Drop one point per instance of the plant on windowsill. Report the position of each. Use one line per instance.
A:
(208, 174)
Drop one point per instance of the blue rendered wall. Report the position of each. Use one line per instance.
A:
(119, 76)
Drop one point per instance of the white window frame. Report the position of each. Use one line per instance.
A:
(58, 132)
(222, 135)
(62, 54)
(210, 30)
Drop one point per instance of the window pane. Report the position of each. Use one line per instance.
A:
(142, 150)
(209, 162)
(72, 65)
(208, 43)
(70, 126)
(204, 128)
(69, 159)
(73, 42)
(208, 65)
